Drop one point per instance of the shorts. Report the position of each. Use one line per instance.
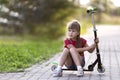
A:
(74, 67)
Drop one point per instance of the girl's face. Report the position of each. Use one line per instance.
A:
(72, 33)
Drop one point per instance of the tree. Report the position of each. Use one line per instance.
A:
(32, 13)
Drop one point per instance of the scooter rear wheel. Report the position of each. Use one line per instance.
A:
(53, 67)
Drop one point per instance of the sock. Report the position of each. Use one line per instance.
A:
(59, 68)
(79, 67)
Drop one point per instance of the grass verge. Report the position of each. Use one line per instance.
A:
(16, 55)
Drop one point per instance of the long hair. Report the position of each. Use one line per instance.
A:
(74, 24)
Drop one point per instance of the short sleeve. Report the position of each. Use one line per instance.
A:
(66, 43)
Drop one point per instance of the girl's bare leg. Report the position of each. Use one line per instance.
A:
(69, 61)
(76, 56)
(77, 59)
(64, 56)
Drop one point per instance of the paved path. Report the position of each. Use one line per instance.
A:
(109, 37)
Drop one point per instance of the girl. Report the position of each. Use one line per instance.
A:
(73, 54)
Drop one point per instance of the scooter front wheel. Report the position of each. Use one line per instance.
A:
(101, 70)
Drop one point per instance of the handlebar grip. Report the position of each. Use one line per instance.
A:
(91, 10)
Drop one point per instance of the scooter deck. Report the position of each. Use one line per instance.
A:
(64, 69)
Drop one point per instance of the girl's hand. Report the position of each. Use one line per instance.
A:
(96, 41)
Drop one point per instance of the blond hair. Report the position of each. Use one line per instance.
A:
(74, 24)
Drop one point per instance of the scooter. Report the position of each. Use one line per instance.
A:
(100, 68)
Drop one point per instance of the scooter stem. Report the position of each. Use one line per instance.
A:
(95, 32)
(95, 35)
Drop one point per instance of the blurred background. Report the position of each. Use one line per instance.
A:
(31, 30)
(41, 18)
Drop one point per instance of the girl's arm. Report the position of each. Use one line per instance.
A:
(70, 46)
(91, 48)
(88, 48)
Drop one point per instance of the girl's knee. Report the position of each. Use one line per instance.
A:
(72, 49)
(66, 50)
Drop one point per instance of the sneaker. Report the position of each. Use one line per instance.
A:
(57, 73)
(80, 72)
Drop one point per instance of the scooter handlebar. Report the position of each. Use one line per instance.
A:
(91, 10)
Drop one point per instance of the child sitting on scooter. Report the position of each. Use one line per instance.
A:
(74, 46)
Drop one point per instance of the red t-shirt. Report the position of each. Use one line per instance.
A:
(73, 42)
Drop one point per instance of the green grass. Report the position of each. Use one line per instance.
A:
(16, 55)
